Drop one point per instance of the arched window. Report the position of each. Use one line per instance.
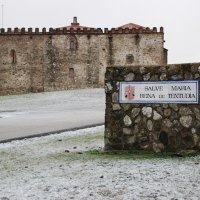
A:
(71, 44)
(13, 56)
(71, 72)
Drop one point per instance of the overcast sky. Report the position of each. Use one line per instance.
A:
(180, 19)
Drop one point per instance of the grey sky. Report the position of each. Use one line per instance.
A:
(180, 19)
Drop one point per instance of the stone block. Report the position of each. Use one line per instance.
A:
(186, 121)
(167, 112)
(135, 112)
(158, 147)
(129, 140)
(185, 111)
(115, 97)
(147, 111)
(118, 114)
(116, 107)
(150, 125)
(127, 121)
(108, 87)
(156, 116)
(129, 77)
(127, 131)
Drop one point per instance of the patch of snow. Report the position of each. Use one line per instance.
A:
(11, 114)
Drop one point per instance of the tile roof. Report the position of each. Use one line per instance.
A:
(75, 27)
(130, 26)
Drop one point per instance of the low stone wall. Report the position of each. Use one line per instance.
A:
(151, 127)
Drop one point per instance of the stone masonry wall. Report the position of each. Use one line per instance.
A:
(44, 61)
(151, 127)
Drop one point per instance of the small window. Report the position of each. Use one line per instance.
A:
(13, 56)
(72, 45)
(71, 72)
(129, 58)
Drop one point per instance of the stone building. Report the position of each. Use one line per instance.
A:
(73, 56)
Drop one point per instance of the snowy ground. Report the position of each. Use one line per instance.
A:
(58, 167)
(80, 99)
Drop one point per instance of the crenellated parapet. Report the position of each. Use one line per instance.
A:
(51, 31)
(75, 28)
(84, 30)
(132, 30)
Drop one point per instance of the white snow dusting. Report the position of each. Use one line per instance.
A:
(42, 168)
(80, 99)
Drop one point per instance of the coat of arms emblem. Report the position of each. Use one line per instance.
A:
(129, 92)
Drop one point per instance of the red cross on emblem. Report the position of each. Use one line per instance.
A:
(129, 92)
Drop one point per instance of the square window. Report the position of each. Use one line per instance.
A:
(129, 58)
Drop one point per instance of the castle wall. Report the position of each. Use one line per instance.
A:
(71, 68)
(45, 61)
(131, 47)
(152, 126)
(21, 63)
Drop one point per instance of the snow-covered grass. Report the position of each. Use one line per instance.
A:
(60, 167)
(80, 99)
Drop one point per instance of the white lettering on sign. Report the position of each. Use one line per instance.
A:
(182, 92)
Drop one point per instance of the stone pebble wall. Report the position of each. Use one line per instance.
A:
(151, 127)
